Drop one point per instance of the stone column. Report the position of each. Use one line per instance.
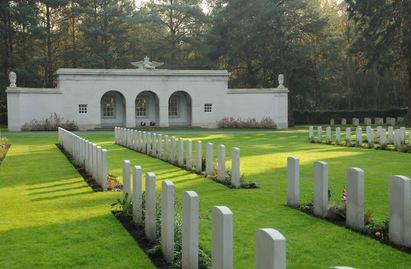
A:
(235, 167)
(400, 210)
(137, 194)
(163, 113)
(167, 220)
(190, 230)
(166, 151)
(320, 189)
(293, 165)
(221, 163)
(130, 114)
(270, 251)
(355, 198)
(189, 155)
(222, 238)
(150, 214)
(126, 178)
(104, 169)
(199, 157)
(209, 159)
(337, 135)
(319, 134)
(159, 146)
(180, 152)
(173, 150)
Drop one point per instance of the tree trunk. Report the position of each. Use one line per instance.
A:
(408, 116)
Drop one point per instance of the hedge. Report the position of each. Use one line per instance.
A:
(323, 117)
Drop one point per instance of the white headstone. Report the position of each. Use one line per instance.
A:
(332, 122)
(221, 163)
(390, 134)
(209, 159)
(355, 198)
(270, 250)
(383, 137)
(126, 177)
(320, 189)
(167, 220)
(348, 136)
(397, 140)
(338, 135)
(154, 145)
(359, 135)
(319, 134)
(180, 152)
(199, 157)
(104, 170)
(150, 214)
(160, 146)
(293, 167)
(166, 151)
(343, 121)
(222, 238)
(173, 150)
(400, 210)
(137, 194)
(189, 155)
(311, 133)
(190, 230)
(328, 135)
(235, 167)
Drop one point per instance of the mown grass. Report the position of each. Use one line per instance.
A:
(311, 242)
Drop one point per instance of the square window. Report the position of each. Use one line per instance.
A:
(141, 107)
(109, 107)
(82, 109)
(208, 107)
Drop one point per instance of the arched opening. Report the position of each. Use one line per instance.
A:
(179, 109)
(147, 109)
(113, 109)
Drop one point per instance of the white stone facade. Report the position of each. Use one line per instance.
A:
(95, 98)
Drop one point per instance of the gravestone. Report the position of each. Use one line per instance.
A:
(221, 163)
(319, 134)
(337, 135)
(383, 137)
(209, 159)
(328, 135)
(355, 121)
(126, 178)
(160, 146)
(355, 198)
(293, 168)
(150, 203)
(137, 194)
(320, 189)
(167, 220)
(104, 170)
(311, 133)
(154, 145)
(348, 136)
(166, 151)
(359, 135)
(235, 168)
(270, 250)
(222, 238)
(343, 121)
(190, 230)
(199, 157)
(180, 152)
(332, 122)
(189, 155)
(173, 150)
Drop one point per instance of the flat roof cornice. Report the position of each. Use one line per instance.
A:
(137, 72)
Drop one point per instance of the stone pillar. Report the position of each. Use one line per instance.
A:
(104, 169)
(166, 151)
(130, 114)
(173, 150)
(150, 214)
(270, 251)
(199, 157)
(189, 155)
(180, 152)
(222, 238)
(126, 178)
(221, 163)
(190, 230)
(319, 134)
(293, 165)
(337, 135)
(400, 210)
(163, 113)
(209, 159)
(160, 146)
(328, 135)
(137, 194)
(355, 198)
(320, 189)
(235, 167)
(167, 220)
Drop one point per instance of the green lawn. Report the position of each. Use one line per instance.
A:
(54, 220)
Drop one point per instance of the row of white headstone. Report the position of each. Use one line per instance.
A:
(157, 145)
(90, 156)
(399, 198)
(270, 244)
(368, 121)
(384, 137)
